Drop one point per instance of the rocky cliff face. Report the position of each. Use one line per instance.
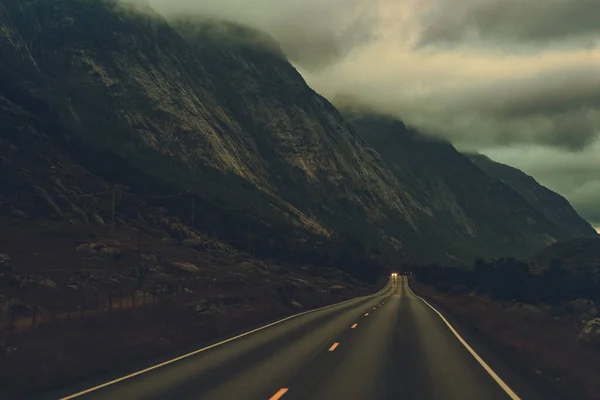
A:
(95, 94)
(471, 212)
(161, 111)
(554, 206)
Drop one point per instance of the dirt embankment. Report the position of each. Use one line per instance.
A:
(541, 339)
(75, 304)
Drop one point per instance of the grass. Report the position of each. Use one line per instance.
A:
(60, 353)
(541, 343)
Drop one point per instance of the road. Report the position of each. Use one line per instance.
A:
(390, 345)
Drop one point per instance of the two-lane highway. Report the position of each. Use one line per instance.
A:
(390, 345)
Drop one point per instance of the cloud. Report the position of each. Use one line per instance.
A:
(314, 33)
(575, 175)
(511, 22)
(519, 77)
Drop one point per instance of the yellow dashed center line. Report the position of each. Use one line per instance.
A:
(334, 346)
(279, 394)
(354, 326)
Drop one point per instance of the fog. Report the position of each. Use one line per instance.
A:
(518, 80)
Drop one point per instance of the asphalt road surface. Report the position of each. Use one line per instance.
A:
(390, 345)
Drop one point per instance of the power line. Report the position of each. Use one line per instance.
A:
(61, 195)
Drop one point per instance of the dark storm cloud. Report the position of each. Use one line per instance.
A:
(511, 21)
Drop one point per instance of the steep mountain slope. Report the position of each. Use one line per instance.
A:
(141, 106)
(472, 212)
(554, 206)
(125, 97)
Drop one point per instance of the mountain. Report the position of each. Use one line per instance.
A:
(207, 121)
(471, 212)
(554, 206)
(581, 254)
(138, 103)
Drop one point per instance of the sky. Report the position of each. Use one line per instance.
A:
(517, 80)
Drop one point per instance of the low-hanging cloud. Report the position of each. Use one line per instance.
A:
(314, 33)
(576, 176)
(506, 75)
(511, 22)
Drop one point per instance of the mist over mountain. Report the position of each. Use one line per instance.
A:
(554, 206)
(97, 93)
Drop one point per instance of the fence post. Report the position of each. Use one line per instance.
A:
(110, 300)
(68, 314)
(34, 315)
(133, 299)
(82, 307)
(97, 303)
(12, 322)
(121, 297)
(52, 316)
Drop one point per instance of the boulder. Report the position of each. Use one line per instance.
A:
(16, 307)
(276, 269)
(89, 248)
(149, 258)
(111, 253)
(48, 283)
(184, 266)
(590, 334)
(98, 219)
(99, 249)
(298, 282)
(295, 304)
(337, 288)
(197, 244)
(583, 308)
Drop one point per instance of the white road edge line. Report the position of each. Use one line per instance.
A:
(480, 360)
(193, 353)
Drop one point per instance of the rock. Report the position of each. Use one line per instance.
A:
(7, 350)
(182, 232)
(165, 341)
(98, 249)
(295, 304)
(202, 307)
(580, 306)
(89, 248)
(149, 258)
(276, 269)
(198, 244)
(111, 253)
(337, 288)
(98, 219)
(48, 283)
(169, 240)
(16, 307)
(298, 282)
(590, 333)
(184, 266)
(15, 212)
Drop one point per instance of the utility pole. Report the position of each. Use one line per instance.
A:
(193, 198)
(193, 211)
(113, 212)
(248, 236)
